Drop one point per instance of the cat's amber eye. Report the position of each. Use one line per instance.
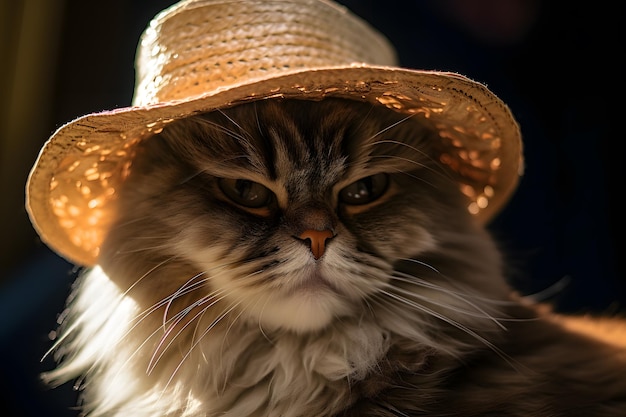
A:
(365, 190)
(245, 192)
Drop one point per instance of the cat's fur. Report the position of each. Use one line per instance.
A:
(201, 306)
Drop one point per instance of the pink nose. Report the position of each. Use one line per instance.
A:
(317, 240)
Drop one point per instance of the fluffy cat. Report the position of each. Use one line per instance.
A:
(296, 259)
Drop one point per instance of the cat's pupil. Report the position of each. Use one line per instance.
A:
(365, 190)
(245, 192)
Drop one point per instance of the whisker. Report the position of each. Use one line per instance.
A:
(138, 349)
(182, 290)
(391, 126)
(228, 329)
(213, 298)
(479, 313)
(462, 293)
(435, 314)
(61, 338)
(550, 291)
(209, 328)
(453, 323)
(463, 296)
(422, 263)
(400, 143)
(159, 350)
(197, 285)
(151, 270)
(223, 129)
(432, 161)
(234, 122)
(399, 158)
(440, 172)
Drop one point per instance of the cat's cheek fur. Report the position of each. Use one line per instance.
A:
(396, 233)
(413, 240)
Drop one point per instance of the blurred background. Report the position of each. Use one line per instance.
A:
(558, 66)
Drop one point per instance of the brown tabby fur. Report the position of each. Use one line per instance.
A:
(204, 306)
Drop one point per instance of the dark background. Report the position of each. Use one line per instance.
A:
(557, 64)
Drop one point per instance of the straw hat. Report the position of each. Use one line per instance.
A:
(201, 55)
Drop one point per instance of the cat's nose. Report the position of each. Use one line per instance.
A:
(317, 240)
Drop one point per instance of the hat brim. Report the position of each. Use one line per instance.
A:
(71, 190)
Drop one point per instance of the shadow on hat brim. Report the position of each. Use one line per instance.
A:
(72, 189)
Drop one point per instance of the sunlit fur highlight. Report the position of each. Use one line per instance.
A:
(203, 307)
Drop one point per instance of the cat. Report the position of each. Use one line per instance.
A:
(300, 258)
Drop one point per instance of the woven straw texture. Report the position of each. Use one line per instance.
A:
(199, 56)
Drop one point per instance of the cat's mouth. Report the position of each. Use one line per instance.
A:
(313, 281)
(309, 303)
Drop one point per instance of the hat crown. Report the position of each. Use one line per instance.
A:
(201, 46)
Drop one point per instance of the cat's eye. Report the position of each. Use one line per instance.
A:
(365, 190)
(245, 192)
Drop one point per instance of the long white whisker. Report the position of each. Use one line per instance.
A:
(209, 328)
(479, 313)
(435, 314)
(391, 126)
(213, 298)
(154, 268)
(463, 296)
(189, 289)
(226, 130)
(451, 322)
(183, 289)
(458, 293)
(400, 143)
(417, 261)
(160, 350)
